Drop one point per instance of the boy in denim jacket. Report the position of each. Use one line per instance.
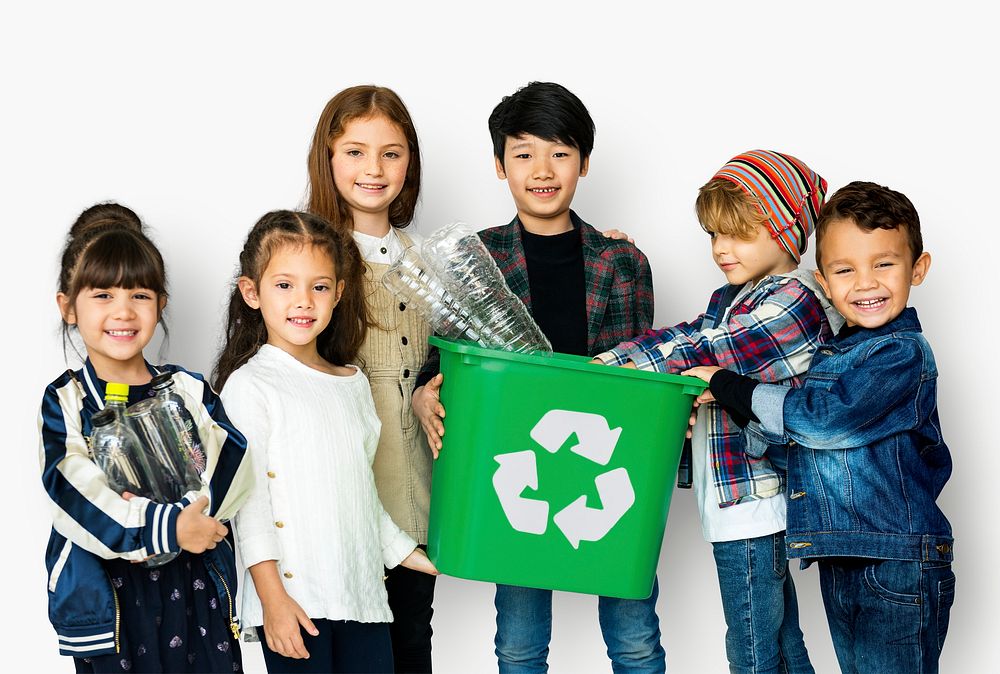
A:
(767, 322)
(866, 458)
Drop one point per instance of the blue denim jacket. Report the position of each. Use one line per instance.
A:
(866, 459)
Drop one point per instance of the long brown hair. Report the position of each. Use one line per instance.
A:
(107, 247)
(245, 329)
(359, 102)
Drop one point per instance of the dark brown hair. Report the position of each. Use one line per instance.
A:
(359, 102)
(107, 247)
(245, 329)
(870, 206)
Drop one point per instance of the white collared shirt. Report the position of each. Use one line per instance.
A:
(386, 249)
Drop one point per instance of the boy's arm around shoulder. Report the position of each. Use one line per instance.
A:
(875, 398)
(631, 270)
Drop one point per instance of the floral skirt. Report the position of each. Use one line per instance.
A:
(171, 620)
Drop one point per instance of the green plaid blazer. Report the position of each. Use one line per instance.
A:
(617, 278)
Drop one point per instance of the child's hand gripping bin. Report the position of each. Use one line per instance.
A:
(555, 473)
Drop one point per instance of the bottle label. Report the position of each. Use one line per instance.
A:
(196, 455)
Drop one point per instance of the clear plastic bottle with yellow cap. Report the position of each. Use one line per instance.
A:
(113, 446)
(123, 459)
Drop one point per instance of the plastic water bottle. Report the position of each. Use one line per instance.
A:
(456, 270)
(151, 483)
(168, 431)
(116, 399)
(114, 448)
(122, 457)
(410, 279)
(178, 418)
(458, 256)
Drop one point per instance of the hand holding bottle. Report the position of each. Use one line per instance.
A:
(197, 532)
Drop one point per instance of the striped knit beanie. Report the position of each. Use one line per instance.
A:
(787, 191)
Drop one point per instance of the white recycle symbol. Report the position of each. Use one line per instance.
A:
(518, 471)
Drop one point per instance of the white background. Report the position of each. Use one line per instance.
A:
(199, 116)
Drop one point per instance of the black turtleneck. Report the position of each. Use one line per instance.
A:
(558, 296)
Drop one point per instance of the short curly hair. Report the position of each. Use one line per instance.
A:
(870, 206)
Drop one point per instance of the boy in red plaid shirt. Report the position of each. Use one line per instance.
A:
(759, 210)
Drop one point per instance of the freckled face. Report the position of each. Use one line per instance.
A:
(369, 161)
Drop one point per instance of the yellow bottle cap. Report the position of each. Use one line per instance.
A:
(115, 391)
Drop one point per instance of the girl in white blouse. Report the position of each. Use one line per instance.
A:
(313, 536)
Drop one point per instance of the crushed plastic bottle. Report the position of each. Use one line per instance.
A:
(410, 279)
(456, 286)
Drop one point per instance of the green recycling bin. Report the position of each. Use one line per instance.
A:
(555, 473)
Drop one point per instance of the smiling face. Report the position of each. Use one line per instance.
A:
(868, 274)
(369, 161)
(115, 324)
(297, 294)
(750, 260)
(542, 176)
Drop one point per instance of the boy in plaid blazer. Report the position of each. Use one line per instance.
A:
(587, 292)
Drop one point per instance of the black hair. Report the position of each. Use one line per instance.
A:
(544, 109)
(107, 247)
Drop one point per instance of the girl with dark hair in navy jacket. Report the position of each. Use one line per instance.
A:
(109, 612)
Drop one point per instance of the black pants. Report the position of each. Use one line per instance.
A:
(342, 646)
(410, 597)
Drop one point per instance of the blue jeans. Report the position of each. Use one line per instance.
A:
(886, 615)
(758, 600)
(630, 627)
